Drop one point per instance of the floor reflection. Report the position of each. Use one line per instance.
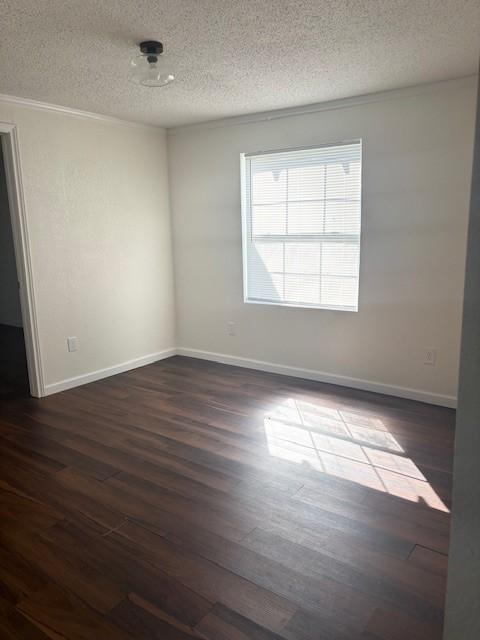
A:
(348, 445)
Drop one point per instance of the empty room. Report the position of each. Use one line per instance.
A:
(239, 320)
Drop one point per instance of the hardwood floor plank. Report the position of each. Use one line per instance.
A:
(306, 625)
(333, 598)
(19, 509)
(59, 614)
(141, 619)
(427, 604)
(66, 568)
(129, 568)
(215, 583)
(390, 624)
(59, 453)
(413, 532)
(139, 457)
(67, 502)
(18, 578)
(350, 550)
(14, 625)
(150, 506)
(24, 456)
(223, 624)
(222, 515)
(429, 560)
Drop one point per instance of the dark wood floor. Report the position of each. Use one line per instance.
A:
(194, 500)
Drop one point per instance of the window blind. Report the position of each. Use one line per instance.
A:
(301, 212)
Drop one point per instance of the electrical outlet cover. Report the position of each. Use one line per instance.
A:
(72, 343)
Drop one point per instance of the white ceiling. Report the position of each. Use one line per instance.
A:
(230, 57)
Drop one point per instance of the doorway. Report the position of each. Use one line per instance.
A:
(21, 372)
(13, 358)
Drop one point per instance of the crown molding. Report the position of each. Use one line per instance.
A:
(76, 113)
(262, 116)
(342, 103)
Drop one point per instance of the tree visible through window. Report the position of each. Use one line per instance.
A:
(301, 212)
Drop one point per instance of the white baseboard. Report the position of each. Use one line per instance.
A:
(260, 365)
(77, 381)
(320, 376)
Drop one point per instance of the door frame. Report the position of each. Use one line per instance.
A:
(23, 258)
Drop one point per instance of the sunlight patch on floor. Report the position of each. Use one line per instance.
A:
(347, 445)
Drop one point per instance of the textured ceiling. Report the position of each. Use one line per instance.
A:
(230, 57)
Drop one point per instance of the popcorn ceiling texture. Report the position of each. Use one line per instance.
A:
(230, 57)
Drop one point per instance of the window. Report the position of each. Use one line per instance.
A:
(301, 211)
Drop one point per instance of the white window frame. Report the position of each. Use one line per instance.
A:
(245, 210)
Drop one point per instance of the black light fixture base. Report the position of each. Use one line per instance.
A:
(152, 47)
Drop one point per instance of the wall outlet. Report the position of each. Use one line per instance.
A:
(231, 328)
(430, 356)
(72, 343)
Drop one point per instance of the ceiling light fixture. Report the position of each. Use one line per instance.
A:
(148, 68)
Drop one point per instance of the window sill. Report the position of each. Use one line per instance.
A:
(299, 305)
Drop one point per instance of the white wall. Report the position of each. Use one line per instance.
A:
(417, 156)
(98, 216)
(10, 311)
